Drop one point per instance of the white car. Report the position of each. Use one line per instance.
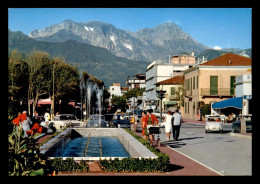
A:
(213, 123)
(64, 120)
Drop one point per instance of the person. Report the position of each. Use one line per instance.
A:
(143, 123)
(150, 120)
(176, 121)
(46, 117)
(135, 121)
(35, 113)
(230, 118)
(168, 124)
(26, 123)
(234, 116)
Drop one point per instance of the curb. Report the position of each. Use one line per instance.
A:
(241, 135)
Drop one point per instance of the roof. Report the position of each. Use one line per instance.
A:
(173, 80)
(232, 102)
(229, 59)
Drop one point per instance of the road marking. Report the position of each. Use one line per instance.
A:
(196, 161)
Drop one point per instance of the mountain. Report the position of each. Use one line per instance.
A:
(144, 45)
(210, 54)
(94, 60)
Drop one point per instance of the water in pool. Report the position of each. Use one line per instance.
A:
(110, 147)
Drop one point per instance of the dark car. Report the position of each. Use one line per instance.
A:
(236, 126)
(118, 120)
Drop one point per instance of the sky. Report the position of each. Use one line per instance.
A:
(214, 27)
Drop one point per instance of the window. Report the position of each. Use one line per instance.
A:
(172, 90)
(232, 86)
(213, 85)
(197, 82)
(193, 82)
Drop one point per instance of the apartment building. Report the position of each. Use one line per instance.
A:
(174, 92)
(212, 81)
(160, 70)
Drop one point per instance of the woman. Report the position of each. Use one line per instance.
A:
(143, 122)
(150, 120)
(168, 124)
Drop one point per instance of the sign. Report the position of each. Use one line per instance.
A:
(248, 97)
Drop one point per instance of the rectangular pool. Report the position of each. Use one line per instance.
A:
(84, 144)
(93, 147)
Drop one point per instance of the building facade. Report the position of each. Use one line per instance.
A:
(174, 92)
(212, 81)
(160, 70)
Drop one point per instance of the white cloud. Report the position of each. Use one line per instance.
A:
(217, 47)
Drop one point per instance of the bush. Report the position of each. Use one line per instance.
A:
(159, 164)
(69, 165)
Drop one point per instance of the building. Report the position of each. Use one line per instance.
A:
(160, 70)
(244, 89)
(136, 81)
(174, 92)
(212, 81)
(115, 90)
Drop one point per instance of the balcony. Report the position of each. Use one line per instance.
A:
(219, 92)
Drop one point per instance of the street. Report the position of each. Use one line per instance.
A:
(223, 153)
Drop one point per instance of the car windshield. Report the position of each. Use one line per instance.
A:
(68, 117)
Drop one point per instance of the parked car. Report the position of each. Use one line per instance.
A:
(213, 123)
(236, 125)
(64, 120)
(118, 120)
(96, 120)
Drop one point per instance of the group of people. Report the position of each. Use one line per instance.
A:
(172, 123)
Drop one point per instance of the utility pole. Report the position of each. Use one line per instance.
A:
(52, 104)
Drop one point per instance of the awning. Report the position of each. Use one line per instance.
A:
(232, 102)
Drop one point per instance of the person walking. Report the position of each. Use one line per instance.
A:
(168, 124)
(176, 121)
(143, 123)
(151, 120)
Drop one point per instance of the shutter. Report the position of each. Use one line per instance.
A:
(232, 84)
(213, 85)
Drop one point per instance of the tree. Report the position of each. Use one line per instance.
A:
(17, 83)
(39, 76)
(66, 82)
(134, 93)
(119, 102)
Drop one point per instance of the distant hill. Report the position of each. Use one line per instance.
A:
(210, 54)
(94, 60)
(146, 44)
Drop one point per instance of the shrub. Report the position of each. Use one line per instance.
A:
(159, 164)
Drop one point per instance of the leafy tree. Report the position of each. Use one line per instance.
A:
(17, 83)
(119, 102)
(66, 81)
(39, 76)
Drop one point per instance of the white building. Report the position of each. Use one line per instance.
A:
(160, 70)
(244, 89)
(115, 90)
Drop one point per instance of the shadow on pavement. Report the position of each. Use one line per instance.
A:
(177, 144)
(173, 167)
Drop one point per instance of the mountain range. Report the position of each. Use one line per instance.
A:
(109, 53)
(94, 60)
(146, 44)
